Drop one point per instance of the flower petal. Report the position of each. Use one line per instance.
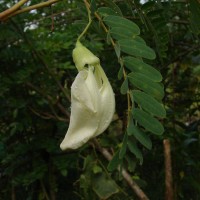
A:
(107, 101)
(84, 117)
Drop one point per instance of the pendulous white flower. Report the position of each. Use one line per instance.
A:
(92, 100)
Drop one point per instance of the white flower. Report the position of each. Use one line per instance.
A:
(92, 100)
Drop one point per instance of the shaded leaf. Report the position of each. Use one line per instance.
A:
(124, 86)
(142, 137)
(134, 149)
(122, 23)
(147, 85)
(131, 163)
(137, 65)
(96, 169)
(147, 121)
(120, 73)
(105, 11)
(136, 48)
(103, 186)
(130, 125)
(93, 6)
(115, 162)
(117, 50)
(155, 13)
(194, 15)
(123, 148)
(122, 33)
(148, 5)
(139, 39)
(148, 103)
(114, 6)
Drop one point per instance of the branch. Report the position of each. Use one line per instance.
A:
(127, 177)
(38, 56)
(7, 14)
(168, 171)
(45, 115)
(44, 190)
(182, 55)
(114, 45)
(49, 99)
(11, 10)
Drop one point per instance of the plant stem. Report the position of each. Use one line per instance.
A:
(113, 44)
(89, 21)
(11, 10)
(127, 177)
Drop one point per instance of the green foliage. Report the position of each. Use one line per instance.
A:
(37, 71)
(121, 25)
(96, 180)
(149, 104)
(126, 33)
(147, 85)
(136, 48)
(147, 121)
(137, 65)
(194, 14)
(154, 17)
(142, 137)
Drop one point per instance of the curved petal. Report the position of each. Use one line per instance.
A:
(107, 101)
(84, 117)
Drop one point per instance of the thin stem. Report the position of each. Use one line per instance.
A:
(127, 177)
(113, 44)
(44, 190)
(128, 96)
(104, 168)
(89, 21)
(49, 99)
(39, 56)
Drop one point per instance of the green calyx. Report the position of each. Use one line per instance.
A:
(82, 56)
